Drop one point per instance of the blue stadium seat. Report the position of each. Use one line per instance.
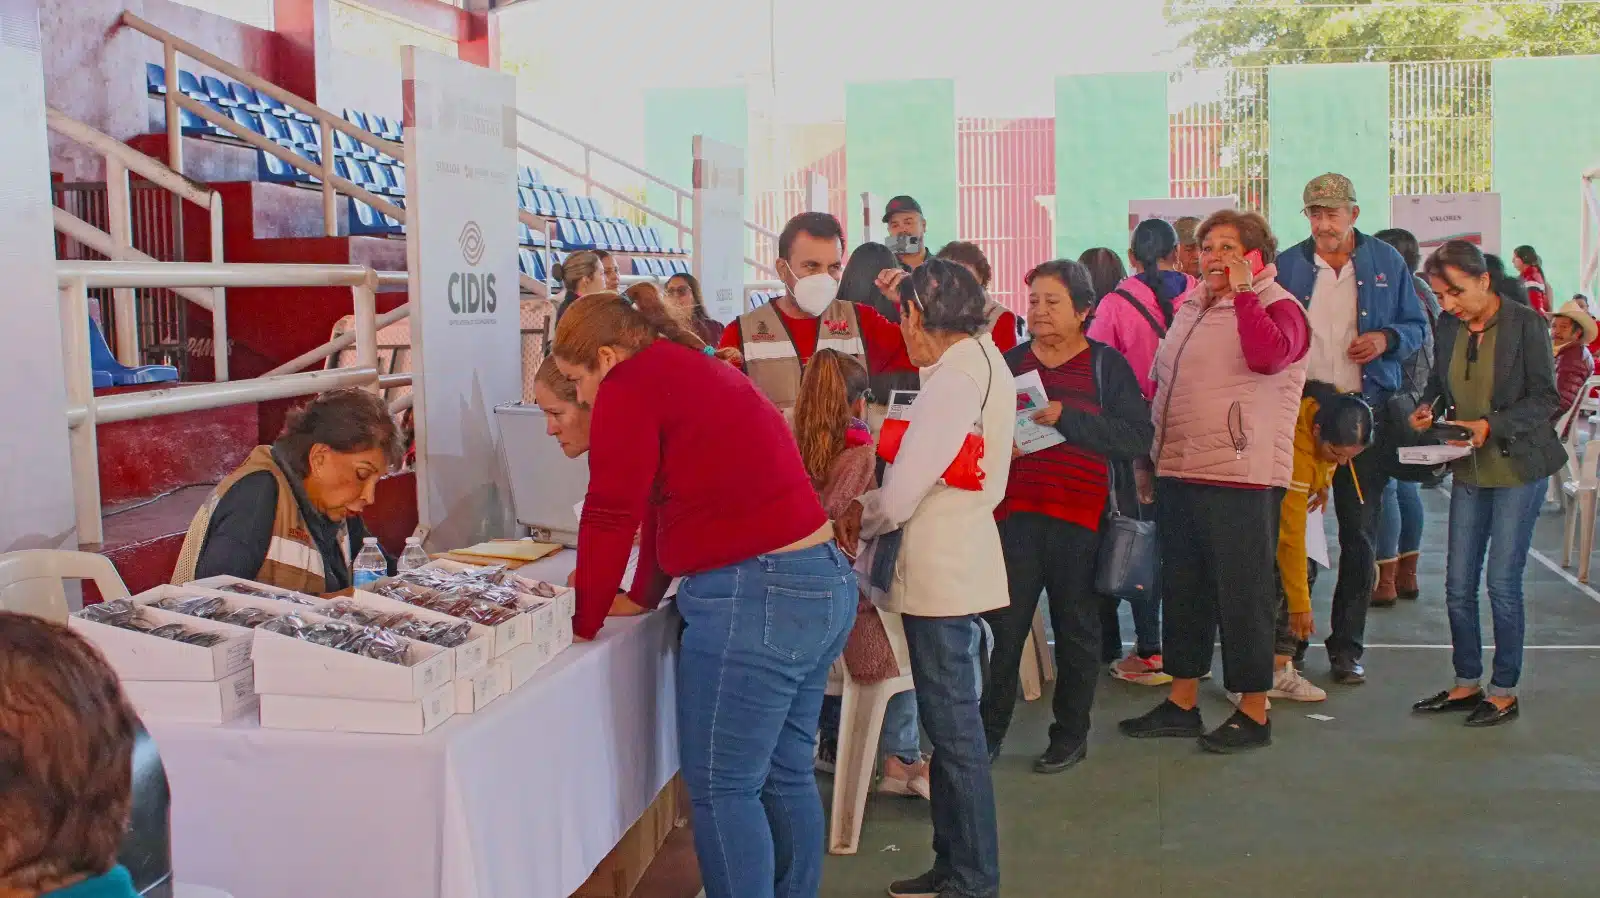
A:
(389, 179)
(275, 129)
(274, 106)
(155, 79)
(525, 199)
(363, 174)
(245, 95)
(357, 118)
(193, 125)
(526, 177)
(525, 262)
(365, 221)
(190, 85)
(619, 237)
(385, 127)
(341, 167)
(303, 135)
(652, 240)
(641, 266)
(218, 91)
(102, 361)
(681, 266)
(635, 235)
(273, 170)
(314, 158)
(544, 202)
(572, 237)
(248, 119)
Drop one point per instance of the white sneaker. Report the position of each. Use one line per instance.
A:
(1290, 685)
(1234, 697)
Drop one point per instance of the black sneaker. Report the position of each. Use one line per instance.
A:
(1060, 757)
(1347, 671)
(827, 755)
(1165, 721)
(1238, 733)
(929, 885)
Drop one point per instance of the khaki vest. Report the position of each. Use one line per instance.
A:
(769, 354)
(293, 559)
(1216, 420)
(950, 561)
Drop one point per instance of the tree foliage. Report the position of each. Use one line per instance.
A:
(1280, 32)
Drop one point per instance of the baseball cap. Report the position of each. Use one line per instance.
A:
(900, 204)
(1331, 191)
(1186, 227)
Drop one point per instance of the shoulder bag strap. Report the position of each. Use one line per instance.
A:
(1139, 307)
(1097, 360)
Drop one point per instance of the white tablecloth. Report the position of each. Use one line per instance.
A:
(522, 799)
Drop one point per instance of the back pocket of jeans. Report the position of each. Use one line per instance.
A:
(799, 621)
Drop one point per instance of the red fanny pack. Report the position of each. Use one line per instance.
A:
(964, 472)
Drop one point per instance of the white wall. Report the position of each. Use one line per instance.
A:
(35, 477)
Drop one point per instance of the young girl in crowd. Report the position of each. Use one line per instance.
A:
(1132, 318)
(831, 430)
(1531, 269)
(1333, 428)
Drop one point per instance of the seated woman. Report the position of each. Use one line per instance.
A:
(67, 734)
(689, 307)
(290, 515)
(1333, 428)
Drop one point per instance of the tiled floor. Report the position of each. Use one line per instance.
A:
(1375, 802)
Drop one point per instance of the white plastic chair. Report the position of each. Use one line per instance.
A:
(1567, 428)
(1038, 663)
(1579, 491)
(31, 580)
(860, 727)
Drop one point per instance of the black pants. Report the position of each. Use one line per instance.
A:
(1218, 551)
(1358, 513)
(1050, 555)
(1285, 642)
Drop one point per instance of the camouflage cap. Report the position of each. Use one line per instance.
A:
(1185, 227)
(1331, 191)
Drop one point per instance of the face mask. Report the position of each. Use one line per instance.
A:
(904, 244)
(814, 293)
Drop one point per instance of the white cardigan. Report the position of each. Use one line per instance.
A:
(950, 560)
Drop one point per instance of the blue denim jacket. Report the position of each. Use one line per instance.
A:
(1386, 299)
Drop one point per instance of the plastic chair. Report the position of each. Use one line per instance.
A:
(155, 79)
(31, 580)
(246, 96)
(102, 359)
(217, 91)
(860, 727)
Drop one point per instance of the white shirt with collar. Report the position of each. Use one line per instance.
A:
(1334, 315)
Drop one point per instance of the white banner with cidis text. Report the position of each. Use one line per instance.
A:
(461, 250)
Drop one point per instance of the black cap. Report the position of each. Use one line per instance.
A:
(900, 204)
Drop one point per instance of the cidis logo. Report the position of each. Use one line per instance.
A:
(469, 292)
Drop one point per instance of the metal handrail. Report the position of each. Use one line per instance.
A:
(117, 244)
(85, 410)
(332, 185)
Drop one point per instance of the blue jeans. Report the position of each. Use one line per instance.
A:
(1400, 521)
(966, 840)
(900, 736)
(1497, 522)
(758, 640)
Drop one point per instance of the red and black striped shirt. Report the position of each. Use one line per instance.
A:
(1063, 481)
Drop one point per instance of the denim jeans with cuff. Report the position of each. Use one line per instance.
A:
(1496, 522)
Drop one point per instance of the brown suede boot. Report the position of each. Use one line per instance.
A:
(1384, 594)
(1405, 577)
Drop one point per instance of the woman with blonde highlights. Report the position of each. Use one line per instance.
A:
(689, 448)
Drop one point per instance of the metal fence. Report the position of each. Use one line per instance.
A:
(157, 232)
(1441, 133)
(1219, 136)
(1006, 171)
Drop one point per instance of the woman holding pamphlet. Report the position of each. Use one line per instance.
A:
(1081, 420)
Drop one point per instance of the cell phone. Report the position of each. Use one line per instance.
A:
(1256, 265)
(904, 244)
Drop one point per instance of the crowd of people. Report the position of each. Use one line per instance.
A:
(1227, 390)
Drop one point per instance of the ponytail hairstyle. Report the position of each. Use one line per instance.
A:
(1344, 419)
(607, 319)
(832, 384)
(1530, 256)
(579, 266)
(1155, 241)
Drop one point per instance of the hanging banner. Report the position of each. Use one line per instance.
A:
(1173, 208)
(1439, 217)
(719, 226)
(461, 251)
(816, 188)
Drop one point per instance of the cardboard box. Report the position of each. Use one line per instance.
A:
(523, 584)
(180, 701)
(471, 656)
(140, 656)
(288, 595)
(478, 690)
(289, 666)
(503, 637)
(233, 600)
(347, 715)
(520, 664)
(620, 872)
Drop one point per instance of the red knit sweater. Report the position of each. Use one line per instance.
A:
(687, 446)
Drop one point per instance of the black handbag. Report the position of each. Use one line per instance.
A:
(1126, 565)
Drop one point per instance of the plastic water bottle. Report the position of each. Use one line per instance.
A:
(413, 557)
(370, 566)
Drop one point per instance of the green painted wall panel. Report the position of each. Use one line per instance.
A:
(1325, 118)
(900, 138)
(1541, 149)
(672, 118)
(1112, 146)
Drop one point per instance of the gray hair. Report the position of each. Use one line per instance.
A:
(949, 296)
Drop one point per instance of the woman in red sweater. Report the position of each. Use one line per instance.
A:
(691, 449)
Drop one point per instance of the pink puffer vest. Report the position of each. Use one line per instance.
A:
(1216, 420)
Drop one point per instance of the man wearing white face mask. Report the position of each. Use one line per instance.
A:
(778, 339)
